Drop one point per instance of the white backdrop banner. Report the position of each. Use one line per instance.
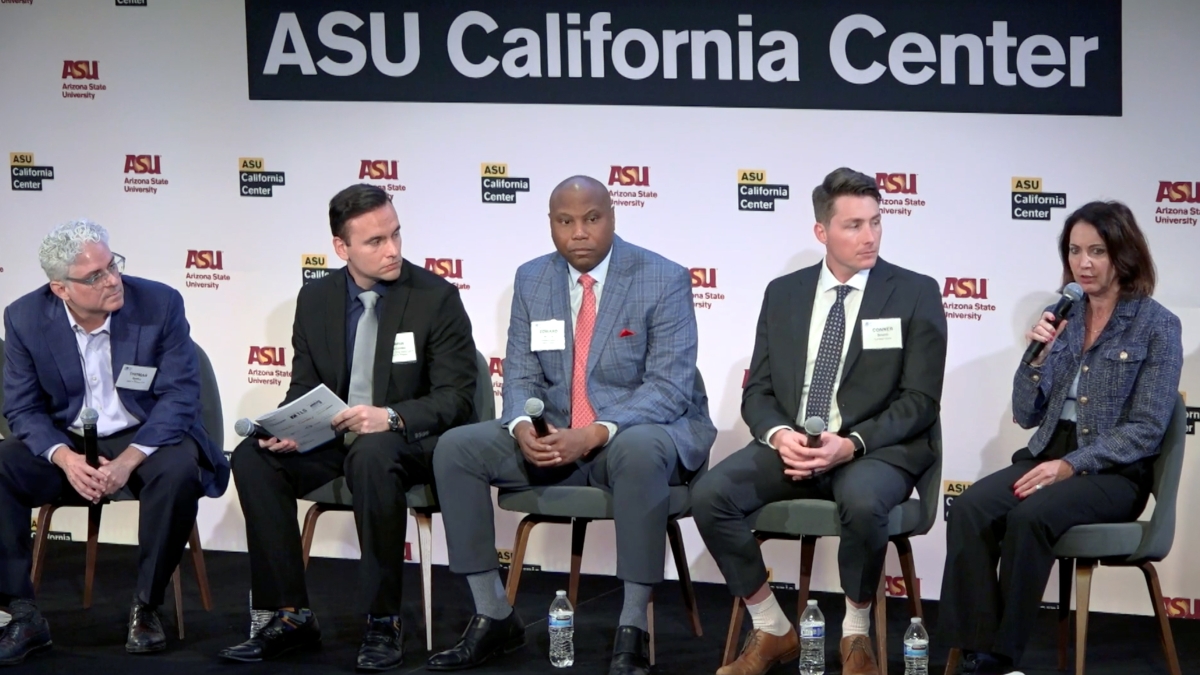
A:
(211, 152)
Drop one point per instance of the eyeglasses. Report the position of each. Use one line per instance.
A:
(116, 267)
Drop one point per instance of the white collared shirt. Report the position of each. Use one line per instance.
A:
(826, 296)
(100, 390)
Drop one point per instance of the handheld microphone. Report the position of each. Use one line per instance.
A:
(535, 408)
(813, 427)
(246, 428)
(1072, 294)
(91, 452)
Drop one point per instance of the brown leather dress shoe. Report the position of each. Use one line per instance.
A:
(858, 658)
(762, 651)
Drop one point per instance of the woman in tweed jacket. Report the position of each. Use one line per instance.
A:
(1100, 395)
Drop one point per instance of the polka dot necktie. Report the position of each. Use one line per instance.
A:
(829, 355)
(581, 408)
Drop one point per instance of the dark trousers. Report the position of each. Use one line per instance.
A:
(989, 526)
(639, 465)
(379, 469)
(167, 486)
(865, 491)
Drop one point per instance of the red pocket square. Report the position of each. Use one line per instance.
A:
(625, 332)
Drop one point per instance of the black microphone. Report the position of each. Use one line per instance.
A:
(534, 408)
(1072, 294)
(813, 427)
(246, 428)
(91, 452)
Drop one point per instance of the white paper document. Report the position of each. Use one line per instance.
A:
(307, 420)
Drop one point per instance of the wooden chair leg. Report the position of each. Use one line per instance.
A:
(1083, 594)
(685, 576)
(425, 545)
(518, 560)
(1160, 613)
(881, 625)
(808, 548)
(578, 534)
(953, 660)
(735, 630)
(178, 583)
(39, 544)
(93, 538)
(1066, 577)
(201, 570)
(310, 529)
(650, 625)
(908, 568)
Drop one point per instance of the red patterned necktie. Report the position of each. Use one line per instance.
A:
(581, 408)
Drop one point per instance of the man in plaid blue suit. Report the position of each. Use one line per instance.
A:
(604, 333)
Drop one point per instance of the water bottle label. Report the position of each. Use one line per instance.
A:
(561, 622)
(916, 651)
(812, 630)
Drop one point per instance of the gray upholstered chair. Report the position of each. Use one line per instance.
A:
(214, 425)
(580, 505)
(1137, 544)
(422, 503)
(811, 519)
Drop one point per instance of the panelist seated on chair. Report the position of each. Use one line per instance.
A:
(603, 332)
(394, 341)
(1100, 394)
(861, 344)
(92, 338)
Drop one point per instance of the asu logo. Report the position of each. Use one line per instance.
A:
(267, 356)
(251, 164)
(24, 175)
(151, 164)
(897, 183)
(755, 194)
(205, 260)
(255, 181)
(447, 268)
(703, 277)
(1182, 608)
(896, 587)
(950, 490)
(1026, 184)
(377, 169)
(312, 267)
(496, 366)
(1179, 192)
(497, 170)
(1030, 203)
(498, 186)
(976, 289)
(20, 159)
(629, 176)
(81, 70)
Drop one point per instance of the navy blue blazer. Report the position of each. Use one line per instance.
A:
(1127, 385)
(43, 375)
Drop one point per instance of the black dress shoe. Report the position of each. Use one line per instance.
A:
(483, 639)
(27, 633)
(382, 647)
(145, 630)
(273, 639)
(631, 652)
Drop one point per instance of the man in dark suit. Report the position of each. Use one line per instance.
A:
(119, 346)
(860, 344)
(394, 341)
(603, 332)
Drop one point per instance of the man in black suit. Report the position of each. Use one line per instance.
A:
(394, 341)
(861, 344)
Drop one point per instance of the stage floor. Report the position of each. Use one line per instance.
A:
(93, 640)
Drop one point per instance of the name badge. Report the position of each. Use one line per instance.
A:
(547, 336)
(882, 334)
(404, 349)
(137, 378)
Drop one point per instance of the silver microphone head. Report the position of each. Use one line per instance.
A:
(814, 425)
(89, 416)
(243, 427)
(1073, 291)
(534, 407)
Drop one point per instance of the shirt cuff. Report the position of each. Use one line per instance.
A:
(49, 454)
(860, 440)
(513, 424)
(612, 431)
(146, 450)
(766, 439)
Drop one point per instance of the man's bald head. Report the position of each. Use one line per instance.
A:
(582, 221)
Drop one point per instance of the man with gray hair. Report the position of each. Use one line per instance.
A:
(93, 340)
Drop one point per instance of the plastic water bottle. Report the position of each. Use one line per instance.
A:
(258, 617)
(916, 648)
(562, 631)
(812, 640)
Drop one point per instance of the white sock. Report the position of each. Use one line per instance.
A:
(857, 621)
(768, 617)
